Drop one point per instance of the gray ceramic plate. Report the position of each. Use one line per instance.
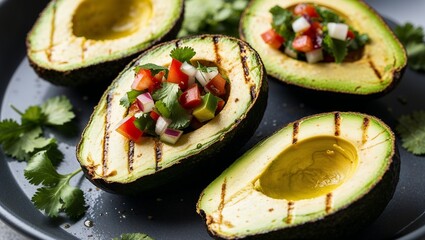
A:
(171, 215)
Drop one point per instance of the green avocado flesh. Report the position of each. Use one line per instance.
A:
(375, 72)
(321, 177)
(119, 165)
(80, 42)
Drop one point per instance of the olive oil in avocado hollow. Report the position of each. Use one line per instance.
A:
(310, 168)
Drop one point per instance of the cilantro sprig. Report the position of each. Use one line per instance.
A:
(412, 37)
(282, 23)
(56, 195)
(25, 141)
(411, 128)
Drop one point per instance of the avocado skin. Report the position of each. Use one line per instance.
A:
(346, 96)
(202, 167)
(103, 72)
(345, 223)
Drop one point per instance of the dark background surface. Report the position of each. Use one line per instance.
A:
(172, 215)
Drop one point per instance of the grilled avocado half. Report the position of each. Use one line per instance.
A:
(322, 177)
(377, 71)
(81, 42)
(119, 165)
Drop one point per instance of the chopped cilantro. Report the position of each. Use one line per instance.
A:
(413, 40)
(155, 69)
(328, 16)
(129, 98)
(56, 195)
(337, 48)
(145, 123)
(133, 236)
(412, 132)
(282, 22)
(206, 69)
(183, 54)
(167, 97)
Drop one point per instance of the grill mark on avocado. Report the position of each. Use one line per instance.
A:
(245, 67)
(83, 49)
(290, 216)
(216, 40)
(158, 154)
(221, 205)
(295, 131)
(178, 43)
(337, 124)
(106, 134)
(375, 70)
(130, 156)
(329, 202)
(52, 32)
(253, 92)
(365, 126)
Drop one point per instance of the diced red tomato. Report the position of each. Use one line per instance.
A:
(315, 33)
(304, 9)
(175, 75)
(143, 81)
(158, 79)
(191, 97)
(127, 128)
(217, 85)
(350, 35)
(303, 43)
(154, 115)
(272, 38)
(220, 106)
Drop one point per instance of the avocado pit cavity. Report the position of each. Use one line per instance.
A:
(309, 168)
(110, 19)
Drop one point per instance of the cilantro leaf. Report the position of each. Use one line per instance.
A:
(145, 123)
(413, 40)
(133, 236)
(328, 16)
(33, 114)
(11, 130)
(219, 16)
(58, 110)
(183, 54)
(155, 69)
(337, 48)
(56, 195)
(282, 22)
(168, 94)
(181, 119)
(26, 143)
(206, 69)
(162, 109)
(129, 98)
(411, 128)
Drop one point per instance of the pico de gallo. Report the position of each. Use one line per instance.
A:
(165, 102)
(313, 33)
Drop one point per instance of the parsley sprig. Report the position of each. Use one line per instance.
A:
(25, 141)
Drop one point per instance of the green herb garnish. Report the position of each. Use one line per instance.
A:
(183, 54)
(133, 236)
(413, 40)
(282, 22)
(411, 128)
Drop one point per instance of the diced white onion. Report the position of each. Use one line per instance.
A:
(145, 102)
(338, 30)
(161, 124)
(290, 52)
(201, 77)
(171, 135)
(314, 56)
(188, 69)
(300, 24)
